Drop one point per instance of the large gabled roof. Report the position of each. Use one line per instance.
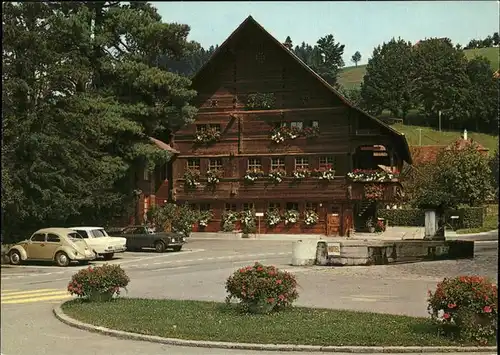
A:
(250, 21)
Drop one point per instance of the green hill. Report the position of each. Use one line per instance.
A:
(351, 77)
(432, 136)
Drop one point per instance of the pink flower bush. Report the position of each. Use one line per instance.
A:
(262, 289)
(466, 306)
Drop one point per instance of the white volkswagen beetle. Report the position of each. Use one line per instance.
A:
(102, 244)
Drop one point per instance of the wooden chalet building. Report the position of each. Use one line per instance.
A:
(271, 134)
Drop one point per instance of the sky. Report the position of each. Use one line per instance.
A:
(360, 25)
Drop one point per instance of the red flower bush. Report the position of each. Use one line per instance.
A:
(466, 306)
(262, 289)
(98, 280)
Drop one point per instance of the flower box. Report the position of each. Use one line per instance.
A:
(326, 173)
(252, 175)
(277, 175)
(367, 175)
(300, 174)
(214, 176)
(207, 136)
(260, 101)
(191, 177)
(374, 192)
(310, 132)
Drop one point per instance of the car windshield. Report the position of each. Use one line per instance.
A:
(74, 236)
(99, 233)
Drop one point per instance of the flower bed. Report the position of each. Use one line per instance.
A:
(262, 289)
(366, 175)
(291, 217)
(229, 218)
(205, 217)
(310, 217)
(466, 307)
(273, 217)
(98, 283)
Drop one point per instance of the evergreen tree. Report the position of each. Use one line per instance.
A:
(288, 43)
(82, 93)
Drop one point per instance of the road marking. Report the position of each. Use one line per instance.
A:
(32, 296)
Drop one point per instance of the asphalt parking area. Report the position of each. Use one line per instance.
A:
(126, 258)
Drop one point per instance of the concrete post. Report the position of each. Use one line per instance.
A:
(431, 224)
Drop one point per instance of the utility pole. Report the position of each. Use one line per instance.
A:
(419, 136)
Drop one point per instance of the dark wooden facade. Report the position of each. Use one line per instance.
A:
(251, 61)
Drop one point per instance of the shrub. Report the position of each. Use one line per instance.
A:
(95, 281)
(466, 307)
(262, 289)
(470, 217)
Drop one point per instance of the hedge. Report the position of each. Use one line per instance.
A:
(470, 217)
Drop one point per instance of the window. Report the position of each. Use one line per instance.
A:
(248, 206)
(297, 124)
(278, 163)
(145, 174)
(254, 163)
(301, 163)
(53, 238)
(230, 207)
(314, 124)
(201, 127)
(292, 206)
(215, 126)
(98, 233)
(193, 206)
(326, 162)
(74, 236)
(215, 164)
(38, 238)
(335, 209)
(193, 164)
(82, 233)
(275, 205)
(205, 207)
(213, 103)
(130, 230)
(312, 206)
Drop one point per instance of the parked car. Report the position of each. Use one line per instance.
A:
(102, 244)
(139, 237)
(61, 245)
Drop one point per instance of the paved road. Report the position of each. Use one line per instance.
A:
(199, 272)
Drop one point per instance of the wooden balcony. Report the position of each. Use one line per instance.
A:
(390, 191)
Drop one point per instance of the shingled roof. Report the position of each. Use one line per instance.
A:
(399, 137)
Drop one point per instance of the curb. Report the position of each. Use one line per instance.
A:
(476, 234)
(59, 314)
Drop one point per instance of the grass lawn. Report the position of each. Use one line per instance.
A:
(431, 136)
(197, 320)
(490, 223)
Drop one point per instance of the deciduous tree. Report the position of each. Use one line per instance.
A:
(389, 82)
(356, 57)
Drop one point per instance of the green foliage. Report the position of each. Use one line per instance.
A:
(494, 161)
(389, 82)
(458, 176)
(469, 217)
(248, 223)
(466, 307)
(82, 93)
(107, 279)
(356, 57)
(184, 220)
(229, 218)
(262, 289)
